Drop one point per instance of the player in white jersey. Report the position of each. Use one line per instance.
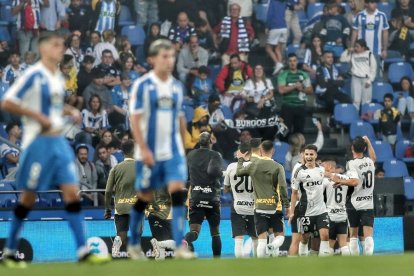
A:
(312, 209)
(360, 206)
(158, 126)
(242, 211)
(336, 205)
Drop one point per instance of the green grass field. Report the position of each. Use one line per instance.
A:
(398, 265)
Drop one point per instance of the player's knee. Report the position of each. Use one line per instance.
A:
(21, 212)
(178, 198)
(73, 207)
(191, 236)
(140, 206)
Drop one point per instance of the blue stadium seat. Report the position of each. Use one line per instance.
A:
(383, 151)
(226, 198)
(370, 109)
(86, 201)
(346, 7)
(314, 8)
(361, 128)
(125, 18)
(400, 136)
(6, 14)
(189, 113)
(345, 114)
(379, 89)
(91, 152)
(386, 8)
(4, 34)
(400, 148)
(409, 188)
(41, 202)
(135, 34)
(228, 114)
(395, 168)
(343, 67)
(291, 49)
(398, 70)
(281, 149)
(54, 199)
(3, 132)
(260, 11)
(393, 56)
(214, 71)
(7, 200)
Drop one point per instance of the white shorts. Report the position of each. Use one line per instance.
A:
(277, 36)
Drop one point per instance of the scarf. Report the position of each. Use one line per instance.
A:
(242, 38)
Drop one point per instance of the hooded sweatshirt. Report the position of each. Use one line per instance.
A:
(193, 129)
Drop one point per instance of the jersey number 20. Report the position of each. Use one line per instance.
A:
(241, 180)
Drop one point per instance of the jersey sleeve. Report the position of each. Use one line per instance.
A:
(296, 180)
(351, 172)
(20, 87)
(137, 98)
(281, 79)
(355, 23)
(227, 175)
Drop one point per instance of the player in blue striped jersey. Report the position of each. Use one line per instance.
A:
(47, 160)
(158, 126)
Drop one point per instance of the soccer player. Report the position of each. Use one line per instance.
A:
(360, 206)
(267, 176)
(47, 160)
(242, 211)
(336, 205)
(158, 126)
(312, 209)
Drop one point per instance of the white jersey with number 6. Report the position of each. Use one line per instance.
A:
(336, 199)
(242, 189)
(364, 170)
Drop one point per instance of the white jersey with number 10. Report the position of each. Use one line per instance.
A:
(364, 170)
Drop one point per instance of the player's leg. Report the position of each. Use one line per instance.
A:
(278, 226)
(162, 236)
(322, 225)
(262, 226)
(122, 226)
(213, 218)
(251, 231)
(296, 237)
(195, 229)
(367, 220)
(238, 226)
(332, 235)
(354, 222)
(342, 237)
(303, 228)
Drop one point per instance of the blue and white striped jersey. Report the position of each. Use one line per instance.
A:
(160, 104)
(39, 90)
(107, 16)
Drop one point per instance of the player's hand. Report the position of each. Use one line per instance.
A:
(366, 139)
(287, 212)
(44, 122)
(290, 217)
(107, 214)
(147, 157)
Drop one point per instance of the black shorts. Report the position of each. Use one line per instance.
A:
(160, 228)
(242, 225)
(121, 223)
(360, 217)
(312, 224)
(265, 221)
(337, 228)
(210, 211)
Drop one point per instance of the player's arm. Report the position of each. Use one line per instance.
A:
(13, 107)
(183, 128)
(371, 151)
(226, 182)
(344, 180)
(108, 194)
(283, 189)
(69, 110)
(11, 158)
(293, 200)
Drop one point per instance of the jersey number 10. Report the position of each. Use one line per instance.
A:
(241, 180)
(367, 181)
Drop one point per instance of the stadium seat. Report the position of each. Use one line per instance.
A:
(41, 202)
(379, 89)
(6, 14)
(7, 200)
(54, 199)
(260, 11)
(214, 71)
(345, 114)
(386, 8)
(395, 168)
(135, 34)
(398, 70)
(3, 132)
(314, 8)
(4, 34)
(346, 7)
(370, 109)
(383, 151)
(409, 188)
(281, 149)
(228, 114)
(400, 148)
(125, 18)
(343, 67)
(361, 128)
(91, 152)
(393, 56)
(400, 136)
(291, 49)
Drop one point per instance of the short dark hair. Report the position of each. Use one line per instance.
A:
(81, 146)
(245, 147)
(302, 149)
(101, 146)
(88, 59)
(10, 126)
(47, 36)
(267, 145)
(328, 52)
(158, 45)
(235, 56)
(255, 143)
(128, 147)
(291, 55)
(311, 147)
(359, 145)
(389, 96)
(115, 143)
(107, 51)
(97, 33)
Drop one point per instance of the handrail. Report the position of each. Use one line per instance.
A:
(54, 191)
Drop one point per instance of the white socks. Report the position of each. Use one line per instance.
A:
(353, 246)
(271, 237)
(369, 246)
(277, 243)
(324, 249)
(238, 248)
(345, 251)
(261, 248)
(167, 244)
(303, 249)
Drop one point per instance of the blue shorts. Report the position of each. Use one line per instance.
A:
(47, 163)
(162, 173)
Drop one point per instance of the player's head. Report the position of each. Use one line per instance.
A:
(255, 145)
(310, 153)
(161, 55)
(329, 164)
(128, 148)
(359, 145)
(245, 147)
(267, 149)
(51, 46)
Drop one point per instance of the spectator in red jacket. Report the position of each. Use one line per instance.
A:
(231, 79)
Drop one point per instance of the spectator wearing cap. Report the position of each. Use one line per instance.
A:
(52, 15)
(120, 99)
(13, 70)
(202, 86)
(88, 178)
(181, 33)
(112, 73)
(9, 154)
(85, 74)
(97, 87)
(190, 59)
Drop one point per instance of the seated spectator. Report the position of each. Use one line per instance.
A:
(85, 74)
(71, 82)
(95, 39)
(202, 86)
(88, 178)
(128, 67)
(106, 137)
(235, 35)
(13, 70)
(205, 38)
(406, 97)
(404, 10)
(313, 56)
(329, 83)
(147, 11)
(98, 88)
(379, 173)
(103, 165)
(181, 33)
(115, 149)
(119, 118)
(105, 15)
(336, 29)
(198, 125)
(389, 118)
(11, 155)
(79, 16)
(29, 59)
(363, 71)
(94, 122)
(107, 44)
(112, 74)
(231, 79)
(399, 36)
(75, 50)
(189, 59)
(154, 34)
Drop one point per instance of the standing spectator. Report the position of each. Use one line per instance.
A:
(127, 63)
(120, 98)
(363, 70)
(97, 87)
(235, 35)
(231, 79)
(85, 74)
(95, 38)
(404, 10)
(154, 34)
(147, 11)
(389, 118)
(335, 28)
(246, 7)
(88, 178)
(372, 26)
(105, 15)
(28, 26)
(329, 83)
(313, 56)
(292, 19)
(276, 30)
(79, 17)
(198, 125)
(52, 15)
(94, 122)
(181, 33)
(75, 50)
(202, 86)
(294, 84)
(355, 7)
(406, 97)
(190, 59)
(106, 44)
(205, 37)
(14, 70)
(112, 74)
(11, 155)
(399, 36)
